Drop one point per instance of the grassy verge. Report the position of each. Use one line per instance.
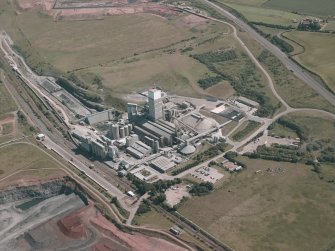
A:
(245, 130)
(293, 90)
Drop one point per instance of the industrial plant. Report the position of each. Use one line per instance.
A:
(158, 135)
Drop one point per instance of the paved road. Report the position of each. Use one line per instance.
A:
(298, 71)
(136, 205)
(69, 156)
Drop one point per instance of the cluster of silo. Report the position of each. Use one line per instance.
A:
(153, 143)
(113, 152)
(120, 131)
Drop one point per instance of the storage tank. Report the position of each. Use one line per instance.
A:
(126, 131)
(115, 131)
(122, 134)
(156, 146)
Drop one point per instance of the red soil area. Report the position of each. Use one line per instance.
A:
(72, 225)
(85, 10)
(107, 236)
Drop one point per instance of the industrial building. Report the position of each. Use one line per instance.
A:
(161, 131)
(99, 147)
(155, 104)
(248, 102)
(139, 150)
(162, 164)
(99, 117)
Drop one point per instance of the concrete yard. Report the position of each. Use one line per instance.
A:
(268, 141)
(175, 194)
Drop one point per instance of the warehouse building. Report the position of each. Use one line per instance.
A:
(162, 164)
(139, 150)
(161, 131)
(100, 117)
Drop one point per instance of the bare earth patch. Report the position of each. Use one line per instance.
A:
(175, 194)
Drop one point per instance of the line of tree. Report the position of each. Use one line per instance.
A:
(77, 91)
(202, 189)
(231, 156)
(301, 132)
(201, 157)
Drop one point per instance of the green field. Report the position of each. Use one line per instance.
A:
(174, 72)
(310, 7)
(319, 54)
(269, 9)
(318, 126)
(72, 45)
(282, 131)
(330, 25)
(244, 130)
(18, 157)
(289, 210)
(7, 104)
(265, 15)
(153, 219)
(245, 2)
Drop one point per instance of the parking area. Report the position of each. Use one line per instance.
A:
(207, 174)
(268, 141)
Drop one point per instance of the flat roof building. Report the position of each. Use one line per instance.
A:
(162, 164)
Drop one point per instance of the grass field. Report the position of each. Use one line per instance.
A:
(24, 157)
(7, 104)
(265, 15)
(318, 126)
(7, 128)
(91, 43)
(246, 2)
(153, 219)
(290, 210)
(174, 72)
(310, 7)
(319, 54)
(282, 131)
(272, 8)
(330, 25)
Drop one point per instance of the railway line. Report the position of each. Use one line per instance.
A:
(210, 241)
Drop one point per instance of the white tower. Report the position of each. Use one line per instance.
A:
(155, 104)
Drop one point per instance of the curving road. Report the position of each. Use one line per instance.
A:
(291, 65)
